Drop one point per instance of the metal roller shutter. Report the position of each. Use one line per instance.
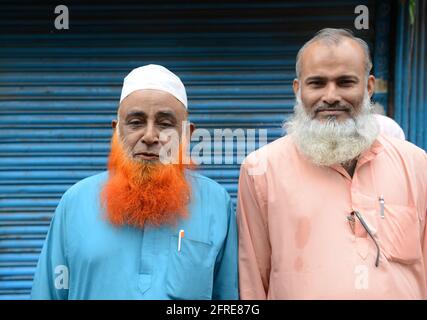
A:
(59, 91)
(411, 70)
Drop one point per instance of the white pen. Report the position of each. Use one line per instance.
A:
(180, 236)
(381, 200)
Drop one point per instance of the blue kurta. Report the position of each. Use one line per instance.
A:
(86, 257)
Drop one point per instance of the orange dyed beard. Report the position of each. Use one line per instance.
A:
(138, 192)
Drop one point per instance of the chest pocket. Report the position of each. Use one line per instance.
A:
(399, 234)
(190, 270)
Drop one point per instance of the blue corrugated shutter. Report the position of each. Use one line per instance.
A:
(411, 71)
(59, 91)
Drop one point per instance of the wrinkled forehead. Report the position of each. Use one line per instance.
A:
(151, 102)
(333, 59)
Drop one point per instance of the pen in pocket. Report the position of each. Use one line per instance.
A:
(381, 200)
(180, 236)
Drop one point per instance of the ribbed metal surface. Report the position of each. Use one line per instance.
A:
(59, 92)
(411, 71)
(381, 52)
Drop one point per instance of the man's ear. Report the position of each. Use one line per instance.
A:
(295, 86)
(192, 128)
(114, 124)
(371, 85)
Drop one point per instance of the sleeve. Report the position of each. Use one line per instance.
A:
(424, 184)
(425, 249)
(226, 269)
(51, 280)
(254, 244)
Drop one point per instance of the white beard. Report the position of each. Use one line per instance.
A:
(333, 142)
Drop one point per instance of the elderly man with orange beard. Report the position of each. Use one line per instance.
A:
(335, 209)
(145, 229)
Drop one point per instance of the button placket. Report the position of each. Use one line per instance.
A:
(146, 259)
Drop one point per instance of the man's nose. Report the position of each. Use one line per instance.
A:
(151, 135)
(331, 95)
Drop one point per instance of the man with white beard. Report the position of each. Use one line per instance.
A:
(335, 209)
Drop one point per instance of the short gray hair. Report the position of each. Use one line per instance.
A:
(333, 37)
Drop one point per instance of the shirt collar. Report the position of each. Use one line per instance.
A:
(376, 147)
(369, 154)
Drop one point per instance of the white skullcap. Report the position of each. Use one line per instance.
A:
(389, 127)
(153, 76)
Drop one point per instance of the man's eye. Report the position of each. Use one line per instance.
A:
(315, 83)
(166, 124)
(135, 122)
(346, 83)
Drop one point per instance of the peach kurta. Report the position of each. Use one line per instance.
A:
(295, 241)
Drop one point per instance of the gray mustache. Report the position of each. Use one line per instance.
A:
(325, 107)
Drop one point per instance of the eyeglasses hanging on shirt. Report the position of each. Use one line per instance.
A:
(352, 221)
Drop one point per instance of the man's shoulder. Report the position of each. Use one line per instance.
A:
(276, 150)
(403, 148)
(87, 185)
(206, 184)
(275, 147)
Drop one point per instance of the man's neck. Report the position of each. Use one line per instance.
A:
(350, 166)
